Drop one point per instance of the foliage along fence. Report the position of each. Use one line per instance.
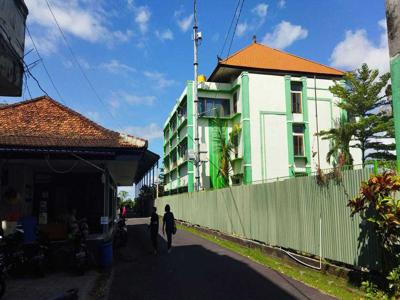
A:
(286, 214)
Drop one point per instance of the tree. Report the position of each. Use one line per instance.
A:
(364, 95)
(340, 137)
(378, 205)
(125, 200)
(226, 148)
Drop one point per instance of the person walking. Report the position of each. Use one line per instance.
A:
(169, 226)
(154, 225)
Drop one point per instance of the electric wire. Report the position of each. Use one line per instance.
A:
(44, 67)
(229, 29)
(60, 171)
(79, 64)
(16, 55)
(234, 31)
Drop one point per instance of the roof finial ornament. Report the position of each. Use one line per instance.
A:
(254, 39)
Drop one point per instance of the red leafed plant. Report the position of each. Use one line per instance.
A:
(377, 203)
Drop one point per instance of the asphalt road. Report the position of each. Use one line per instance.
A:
(196, 269)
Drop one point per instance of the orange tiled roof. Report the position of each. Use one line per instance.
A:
(43, 122)
(257, 56)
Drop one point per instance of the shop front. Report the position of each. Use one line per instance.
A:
(56, 165)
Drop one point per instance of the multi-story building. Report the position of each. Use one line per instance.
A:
(276, 99)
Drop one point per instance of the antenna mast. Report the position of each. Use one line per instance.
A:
(196, 38)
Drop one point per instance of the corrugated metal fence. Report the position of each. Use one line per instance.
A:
(285, 214)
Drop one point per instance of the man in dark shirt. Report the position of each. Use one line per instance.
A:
(168, 225)
(154, 223)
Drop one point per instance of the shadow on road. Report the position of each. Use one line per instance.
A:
(190, 272)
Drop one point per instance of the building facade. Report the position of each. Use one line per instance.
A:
(273, 101)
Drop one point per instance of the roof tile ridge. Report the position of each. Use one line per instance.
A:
(309, 60)
(24, 102)
(237, 52)
(79, 115)
(98, 126)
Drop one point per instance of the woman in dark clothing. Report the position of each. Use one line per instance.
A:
(168, 225)
(154, 229)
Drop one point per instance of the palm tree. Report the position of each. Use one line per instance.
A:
(226, 148)
(340, 137)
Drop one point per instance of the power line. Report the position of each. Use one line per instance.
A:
(27, 86)
(78, 63)
(16, 55)
(44, 67)
(234, 31)
(230, 27)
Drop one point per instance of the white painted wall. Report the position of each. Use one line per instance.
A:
(267, 93)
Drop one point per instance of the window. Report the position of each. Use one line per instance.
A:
(296, 88)
(173, 122)
(298, 140)
(235, 99)
(182, 148)
(182, 110)
(213, 107)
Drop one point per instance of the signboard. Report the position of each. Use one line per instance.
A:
(104, 220)
(12, 45)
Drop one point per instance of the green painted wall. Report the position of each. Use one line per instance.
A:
(395, 72)
(189, 91)
(307, 146)
(247, 176)
(289, 119)
(214, 126)
(286, 214)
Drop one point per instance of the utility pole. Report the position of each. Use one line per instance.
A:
(393, 28)
(196, 38)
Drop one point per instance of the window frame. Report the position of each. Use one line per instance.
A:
(206, 108)
(235, 103)
(300, 102)
(299, 135)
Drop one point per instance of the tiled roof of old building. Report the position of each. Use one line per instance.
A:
(260, 57)
(43, 122)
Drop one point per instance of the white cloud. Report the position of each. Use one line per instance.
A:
(84, 19)
(116, 67)
(282, 3)
(357, 49)
(119, 98)
(179, 12)
(142, 18)
(164, 35)
(159, 78)
(241, 29)
(123, 36)
(148, 132)
(185, 23)
(261, 10)
(284, 35)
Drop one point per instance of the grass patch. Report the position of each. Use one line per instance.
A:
(326, 283)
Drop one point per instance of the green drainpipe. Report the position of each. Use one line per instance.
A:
(304, 104)
(246, 129)
(189, 101)
(289, 119)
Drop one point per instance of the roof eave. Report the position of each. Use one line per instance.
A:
(270, 70)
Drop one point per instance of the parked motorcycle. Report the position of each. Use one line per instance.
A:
(80, 253)
(121, 233)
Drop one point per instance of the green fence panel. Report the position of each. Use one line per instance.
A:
(295, 214)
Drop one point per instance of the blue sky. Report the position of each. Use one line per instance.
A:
(138, 54)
